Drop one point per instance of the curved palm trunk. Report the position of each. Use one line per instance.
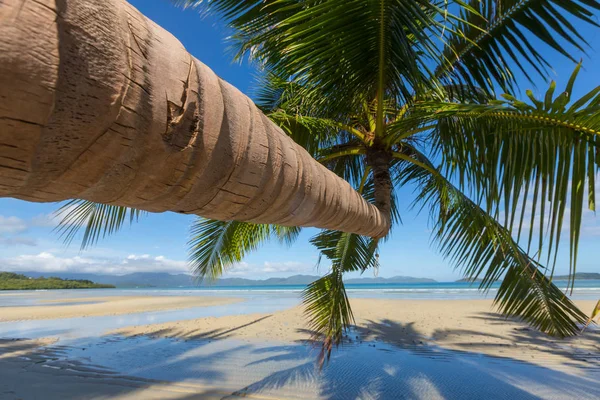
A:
(97, 102)
(380, 159)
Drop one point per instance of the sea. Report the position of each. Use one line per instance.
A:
(584, 290)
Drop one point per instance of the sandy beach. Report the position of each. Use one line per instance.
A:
(414, 349)
(100, 306)
(466, 325)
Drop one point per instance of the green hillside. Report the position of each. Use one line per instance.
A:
(12, 281)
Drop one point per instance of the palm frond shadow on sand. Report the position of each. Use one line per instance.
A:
(387, 365)
(353, 374)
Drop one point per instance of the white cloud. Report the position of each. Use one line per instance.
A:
(147, 263)
(50, 262)
(102, 262)
(243, 269)
(288, 266)
(12, 225)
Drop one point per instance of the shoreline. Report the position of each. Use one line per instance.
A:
(106, 306)
(459, 325)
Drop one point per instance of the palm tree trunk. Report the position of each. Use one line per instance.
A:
(380, 160)
(97, 102)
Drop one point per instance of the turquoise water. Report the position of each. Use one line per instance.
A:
(584, 290)
(434, 290)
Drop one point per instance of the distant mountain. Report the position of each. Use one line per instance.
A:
(162, 279)
(580, 276)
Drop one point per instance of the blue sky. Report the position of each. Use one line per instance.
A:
(158, 242)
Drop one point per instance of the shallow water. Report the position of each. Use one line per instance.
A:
(68, 329)
(368, 370)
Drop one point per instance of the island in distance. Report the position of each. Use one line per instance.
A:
(159, 279)
(14, 281)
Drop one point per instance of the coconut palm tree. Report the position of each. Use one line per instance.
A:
(395, 93)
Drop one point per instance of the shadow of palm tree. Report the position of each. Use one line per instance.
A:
(405, 367)
(395, 362)
(200, 334)
(525, 336)
(367, 375)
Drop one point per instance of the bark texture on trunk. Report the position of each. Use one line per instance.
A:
(97, 102)
(380, 160)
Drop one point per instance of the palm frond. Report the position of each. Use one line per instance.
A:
(286, 234)
(328, 311)
(346, 251)
(97, 220)
(273, 92)
(483, 249)
(327, 306)
(524, 158)
(312, 133)
(215, 246)
(337, 47)
(285, 102)
(499, 37)
(326, 303)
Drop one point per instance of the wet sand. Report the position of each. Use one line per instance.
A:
(102, 306)
(29, 370)
(466, 325)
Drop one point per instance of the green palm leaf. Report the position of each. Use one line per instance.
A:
(328, 311)
(526, 157)
(326, 304)
(337, 47)
(346, 251)
(475, 242)
(216, 246)
(97, 220)
(500, 35)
